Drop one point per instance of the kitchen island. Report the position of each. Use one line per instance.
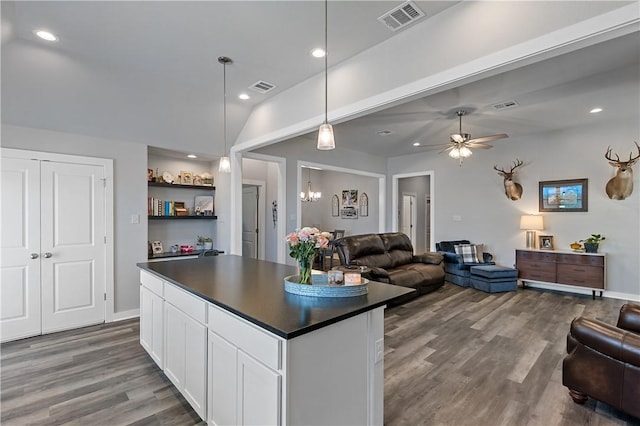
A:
(243, 351)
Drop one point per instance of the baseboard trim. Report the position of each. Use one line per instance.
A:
(571, 289)
(125, 315)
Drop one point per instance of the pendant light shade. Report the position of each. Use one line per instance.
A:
(325, 137)
(225, 164)
(326, 140)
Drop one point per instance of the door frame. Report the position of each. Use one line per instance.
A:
(261, 212)
(107, 164)
(395, 196)
(414, 215)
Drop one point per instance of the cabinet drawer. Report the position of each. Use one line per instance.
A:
(581, 275)
(536, 271)
(151, 282)
(187, 303)
(535, 256)
(581, 259)
(249, 338)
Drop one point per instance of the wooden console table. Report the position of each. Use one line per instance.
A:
(583, 270)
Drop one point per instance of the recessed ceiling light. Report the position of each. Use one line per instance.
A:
(318, 52)
(45, 35)
(192, 156)
(595, 110)
(416, 144)
(244, 96)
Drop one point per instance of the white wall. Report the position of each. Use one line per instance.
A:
(130, 187)
(333, 182)
(475, 193)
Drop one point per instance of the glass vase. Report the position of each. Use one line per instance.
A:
(304, 269)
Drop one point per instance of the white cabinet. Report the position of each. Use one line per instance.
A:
(259, 394)
(152, 325)
(185, 356)
(222, 364)
(245, 375)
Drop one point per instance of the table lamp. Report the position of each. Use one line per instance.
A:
(531, 223)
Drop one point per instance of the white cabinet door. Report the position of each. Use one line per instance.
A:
(152, 325)
(20, 248)
(222, 366)
(185, 356)
(195, 377)
(72, 242)
(258, 393)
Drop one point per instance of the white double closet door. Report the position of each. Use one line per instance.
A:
(52, 236)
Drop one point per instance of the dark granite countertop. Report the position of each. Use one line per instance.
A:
(254, 290)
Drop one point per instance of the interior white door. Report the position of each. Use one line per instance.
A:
(72, 245)
(250, 199)
(407, 217)
(19, 248)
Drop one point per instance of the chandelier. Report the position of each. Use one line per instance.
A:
(309, 196)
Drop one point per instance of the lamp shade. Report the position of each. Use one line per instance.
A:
(531, 222)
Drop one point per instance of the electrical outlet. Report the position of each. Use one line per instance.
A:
(135, 218)
(379, 350)
(457, 218)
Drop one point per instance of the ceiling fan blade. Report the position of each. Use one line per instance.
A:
(478, 145)
(446, 149)
(432, 147)
(488, 138)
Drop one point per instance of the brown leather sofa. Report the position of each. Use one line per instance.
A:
(390, 258)
(604, 361)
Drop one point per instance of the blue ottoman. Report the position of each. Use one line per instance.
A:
(493, 278)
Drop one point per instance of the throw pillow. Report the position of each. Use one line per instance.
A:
(468, 252)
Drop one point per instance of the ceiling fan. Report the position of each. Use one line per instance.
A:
(460, 143)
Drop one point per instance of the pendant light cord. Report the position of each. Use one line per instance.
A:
(326, 52)
(224, 80)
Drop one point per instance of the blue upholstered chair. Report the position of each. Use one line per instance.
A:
(455, 267)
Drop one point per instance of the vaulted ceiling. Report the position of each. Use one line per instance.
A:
(147, 72)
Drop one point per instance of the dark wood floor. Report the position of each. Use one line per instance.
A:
(453, 357)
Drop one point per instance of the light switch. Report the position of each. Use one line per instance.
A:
(379, 350)
(457, 218)
(135, 218)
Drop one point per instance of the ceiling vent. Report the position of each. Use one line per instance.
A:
(262, 86)
(401, 16)
(505, 105)
(384, 132)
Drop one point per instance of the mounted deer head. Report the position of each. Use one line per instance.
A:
(513, 190)
(620, 186)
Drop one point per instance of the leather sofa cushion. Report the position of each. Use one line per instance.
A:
(629, 318)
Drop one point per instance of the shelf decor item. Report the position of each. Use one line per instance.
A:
(304, 245)
(591, 244)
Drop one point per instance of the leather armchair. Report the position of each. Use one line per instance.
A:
(603, 361)
(456, 270)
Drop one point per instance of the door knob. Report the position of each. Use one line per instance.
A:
(47, 255)
(34, 255)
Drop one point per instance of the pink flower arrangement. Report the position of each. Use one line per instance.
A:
(304, 245)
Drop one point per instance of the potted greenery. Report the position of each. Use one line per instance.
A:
(208, 243)
(591, 243)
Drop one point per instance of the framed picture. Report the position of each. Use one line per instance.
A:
(203, 205)
(349, 213)
(545, 242)
(349, 198)
(563, 196)
(197, 180)
(186, 178)
(157, 247)
(364, 205)
(150, 175)
(335, 206)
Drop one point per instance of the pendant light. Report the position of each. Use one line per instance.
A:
(225, 164)
(326, 140)
(309, 196)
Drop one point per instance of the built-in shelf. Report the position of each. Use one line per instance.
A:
(177, 185)
(182, 217)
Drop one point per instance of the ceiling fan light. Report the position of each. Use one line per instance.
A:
(465, 152)
(325, 137)
(454, 153)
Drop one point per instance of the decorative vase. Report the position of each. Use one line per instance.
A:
(591, 247)
(208, 246)
(304, 269)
